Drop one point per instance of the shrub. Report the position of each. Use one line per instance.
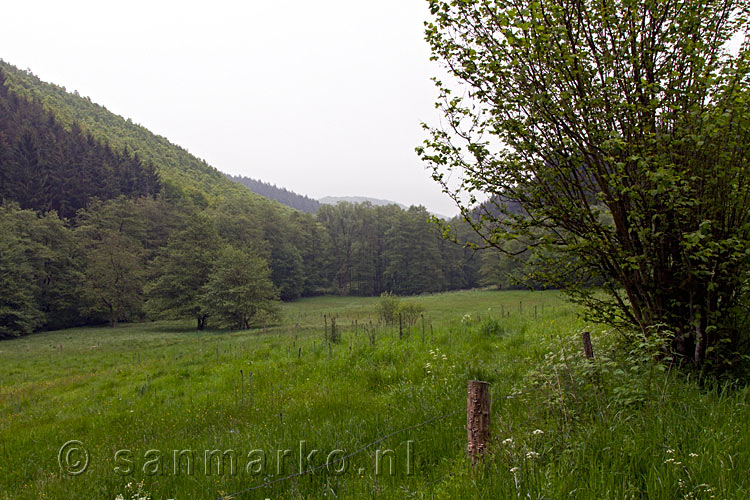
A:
(410, 312)
(387, 307)
(491, 326)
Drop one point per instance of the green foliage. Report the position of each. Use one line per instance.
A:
(19, 312)
(41, 266)
(46, 167)
(183, 270)
(186, 177)
(114, 274)
(114, 277)
(491, 326)
(283, 196)
(410, 312)
(239, 292)
(614, 138)
(385, 248)
(387, 308)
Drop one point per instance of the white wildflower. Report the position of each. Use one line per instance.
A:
(693, 455)
(513, 470)
(507, 441)
(532, 455)
(538, 432)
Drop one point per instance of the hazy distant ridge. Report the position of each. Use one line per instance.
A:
(305, 203)
(332, 200)
(282, 195)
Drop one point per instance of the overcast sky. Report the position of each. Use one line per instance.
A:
(322, 97)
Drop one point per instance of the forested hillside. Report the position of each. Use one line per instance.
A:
(183, 175)
(103, 221)
(46, 167)
(282, 195)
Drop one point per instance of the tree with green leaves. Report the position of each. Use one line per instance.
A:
(41, 266)
(239, 292)
(183, 270)
(19, 311)
(615, 134)
(112, 234)
(113, 277)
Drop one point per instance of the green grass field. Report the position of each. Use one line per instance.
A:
(562, 427)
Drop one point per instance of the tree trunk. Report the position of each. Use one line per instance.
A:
(112, 318)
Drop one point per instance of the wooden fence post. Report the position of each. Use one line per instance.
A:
(477, 418)
(588, 350)
(422, 327)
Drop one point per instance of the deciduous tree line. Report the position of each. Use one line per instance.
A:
(132, 259)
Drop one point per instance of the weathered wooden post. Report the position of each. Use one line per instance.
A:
(400, 327)
(422, 315)
(333, 337)
(477, 418)
(588, 350)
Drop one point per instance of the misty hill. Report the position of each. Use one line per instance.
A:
(282, 195)
(376, 202)
(333, 200)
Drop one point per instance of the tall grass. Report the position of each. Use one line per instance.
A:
(562, 427)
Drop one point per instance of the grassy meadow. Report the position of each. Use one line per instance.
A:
(562, 427)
